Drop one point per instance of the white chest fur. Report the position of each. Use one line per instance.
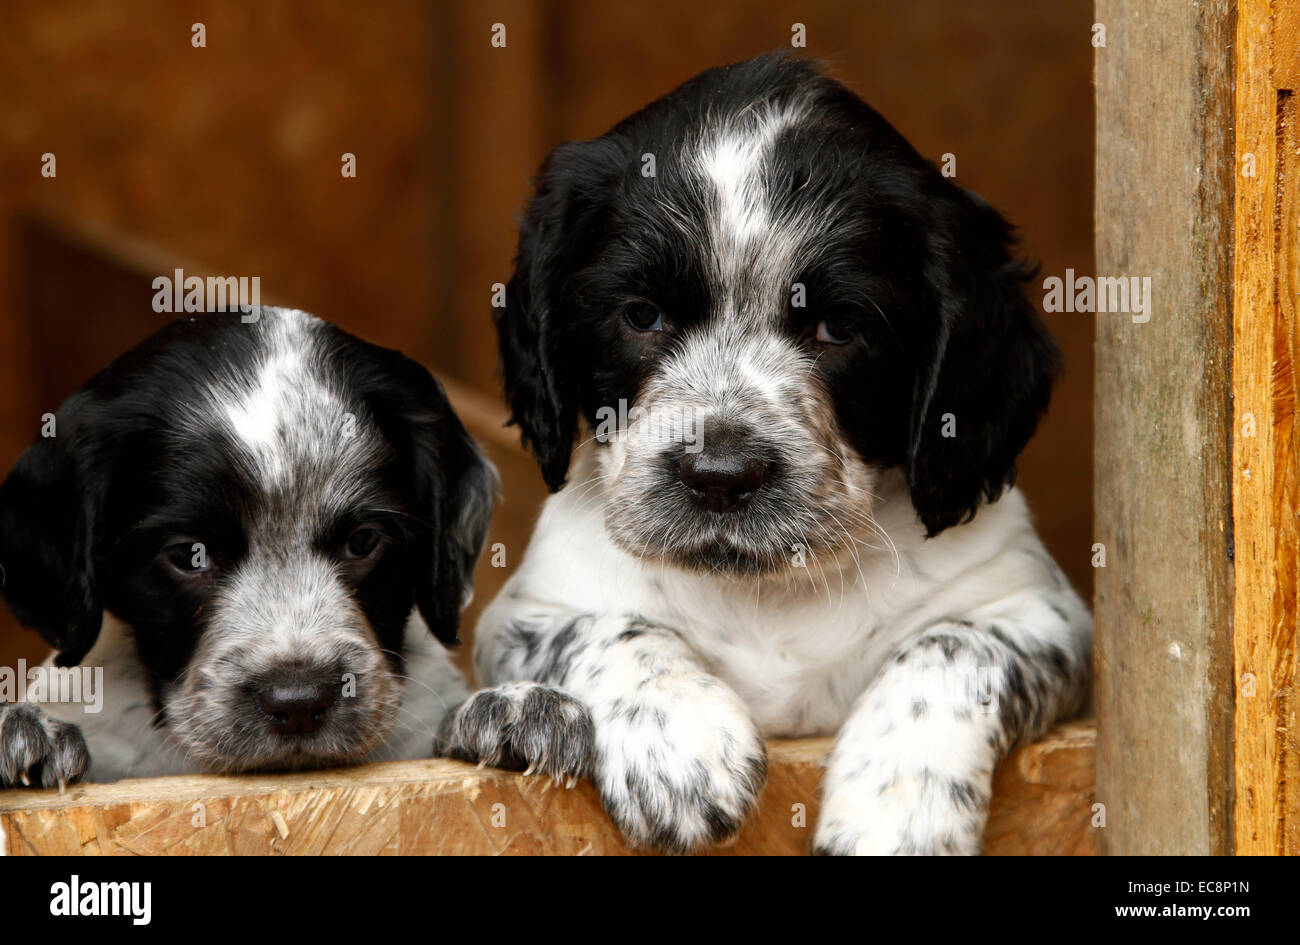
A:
(798, 650)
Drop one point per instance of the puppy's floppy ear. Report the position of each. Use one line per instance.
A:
(50, 504)
(556, 236)
(453, 483)
(464, 511)
(987, 376)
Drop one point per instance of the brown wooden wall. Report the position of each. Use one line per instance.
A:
(227, 158)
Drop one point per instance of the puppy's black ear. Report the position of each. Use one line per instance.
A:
(466, 494)
(556, 236)
(987, 376)
(49, 505)
(451, 480)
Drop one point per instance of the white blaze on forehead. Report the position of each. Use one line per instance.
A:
(256, 417)
(734, 164)
(287, 402)
(731, 159)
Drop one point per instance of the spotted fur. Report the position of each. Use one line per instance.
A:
(268, 446)
(797, 286)
(524, 727)
(39, 751)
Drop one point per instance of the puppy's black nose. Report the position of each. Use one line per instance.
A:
(722, 479)
(295, 707)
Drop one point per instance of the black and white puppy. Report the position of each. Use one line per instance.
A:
(255, 530)
(822, 367)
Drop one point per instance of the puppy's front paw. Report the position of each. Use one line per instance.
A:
(679, 774)
(921, 814)
(523, 726)
(38, 750)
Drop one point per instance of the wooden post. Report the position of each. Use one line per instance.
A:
(1266, 465)
(1198, 474)
(1163, 427)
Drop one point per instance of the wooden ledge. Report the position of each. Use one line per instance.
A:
(1042, 805)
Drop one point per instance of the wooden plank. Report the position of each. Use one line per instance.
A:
(1266, 465)
(1163, 427)
(1043, 797)
(1042, 804)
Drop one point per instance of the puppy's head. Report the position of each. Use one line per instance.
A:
(264, 505)
(757, 295)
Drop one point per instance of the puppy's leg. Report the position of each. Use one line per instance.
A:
(521, 726)
(678, 761)
(912, 768)
(36, 750)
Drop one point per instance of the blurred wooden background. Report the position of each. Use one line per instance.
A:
(226, 159)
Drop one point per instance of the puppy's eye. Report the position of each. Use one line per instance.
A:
(363, 542)
(189, 559)
(644, 317)
(833, 331)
